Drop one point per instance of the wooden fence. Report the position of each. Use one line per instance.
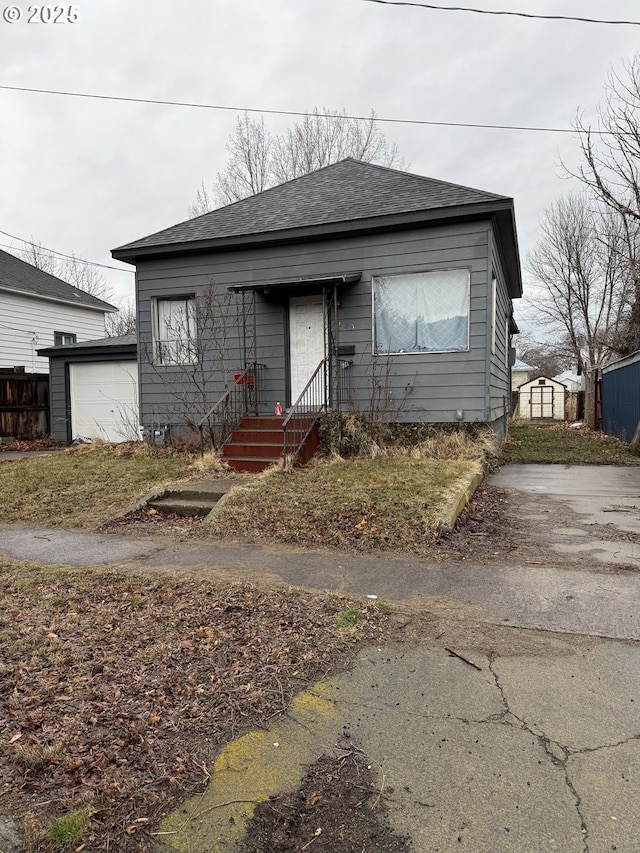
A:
(24, 405)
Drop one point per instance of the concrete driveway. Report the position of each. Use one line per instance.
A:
(585, 512)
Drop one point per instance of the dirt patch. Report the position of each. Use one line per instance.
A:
(340, 805)
(149, 520)
(29, 446)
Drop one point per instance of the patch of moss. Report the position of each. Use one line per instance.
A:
(70, 827)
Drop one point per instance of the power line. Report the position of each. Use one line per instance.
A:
(500, 12)
(62, 254)
(236, 109)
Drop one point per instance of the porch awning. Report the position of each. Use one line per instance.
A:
(300, 281)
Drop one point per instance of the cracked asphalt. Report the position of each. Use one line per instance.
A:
(525, 754)
(491, 752)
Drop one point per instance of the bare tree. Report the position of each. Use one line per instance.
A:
(79, 273)
(611, 151)
(258, 160)
(611, 170)
(324, 137)
(577, 264)
(547, 358)
(122, 323)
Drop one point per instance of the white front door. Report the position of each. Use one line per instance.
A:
(306, 340)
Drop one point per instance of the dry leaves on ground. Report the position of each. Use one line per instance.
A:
(116, 692)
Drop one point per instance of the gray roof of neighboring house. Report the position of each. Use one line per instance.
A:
(18, 275)
(521, 365)
(116, 343)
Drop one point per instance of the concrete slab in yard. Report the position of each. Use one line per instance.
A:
(603, 494)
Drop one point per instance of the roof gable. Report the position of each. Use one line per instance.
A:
(343, 192)
(17, 275)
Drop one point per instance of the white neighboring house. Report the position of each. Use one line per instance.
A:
(520, 372)
(39, 310)
(572, 382)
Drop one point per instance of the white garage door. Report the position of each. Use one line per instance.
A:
(104, 400)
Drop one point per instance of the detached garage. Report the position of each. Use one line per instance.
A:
(94, 390)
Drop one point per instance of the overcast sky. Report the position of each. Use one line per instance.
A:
(86, 175)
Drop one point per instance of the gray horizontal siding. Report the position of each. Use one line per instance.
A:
(441, 382)
(58, 402)
(345, 251)
(499, 369)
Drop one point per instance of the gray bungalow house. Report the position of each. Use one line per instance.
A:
(355, 286)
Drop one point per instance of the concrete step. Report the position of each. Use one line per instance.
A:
(262, 422)
(273, 422)
(195, 498)
(195, 494)
(175, 504)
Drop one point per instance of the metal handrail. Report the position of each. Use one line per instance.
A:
(303, 414)
(227, 412)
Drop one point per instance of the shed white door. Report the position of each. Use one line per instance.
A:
(306, 340)
(104, 400)
(542, 399)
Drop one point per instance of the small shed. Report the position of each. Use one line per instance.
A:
(94, 390)
(542, 399)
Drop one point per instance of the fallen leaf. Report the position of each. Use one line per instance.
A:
(15, 737)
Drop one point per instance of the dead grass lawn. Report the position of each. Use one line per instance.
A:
(394, 501)
(83, 486)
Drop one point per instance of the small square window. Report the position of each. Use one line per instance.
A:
(63, 339)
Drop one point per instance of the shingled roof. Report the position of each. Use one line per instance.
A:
(19, 276)
(343, 194)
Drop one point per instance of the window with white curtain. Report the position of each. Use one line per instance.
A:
(421, 312)
(174, 330)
